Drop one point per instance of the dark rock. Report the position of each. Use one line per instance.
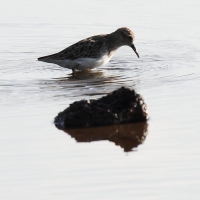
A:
(121, 106)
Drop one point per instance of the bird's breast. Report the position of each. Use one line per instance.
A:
(90, 63)
(85, 63)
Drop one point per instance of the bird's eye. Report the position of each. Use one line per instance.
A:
(129, 37)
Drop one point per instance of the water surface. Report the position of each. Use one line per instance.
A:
(40, 162)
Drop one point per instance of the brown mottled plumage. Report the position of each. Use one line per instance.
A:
(93, 51)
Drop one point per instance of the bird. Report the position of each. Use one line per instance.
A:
(92, 52)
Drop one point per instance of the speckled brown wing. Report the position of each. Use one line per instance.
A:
(87, 48)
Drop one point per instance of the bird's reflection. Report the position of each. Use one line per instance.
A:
(79, 79)
(81, 84)
(88, 75)
(127, 136)
(85, 75)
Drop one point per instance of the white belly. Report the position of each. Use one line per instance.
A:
(84, 63)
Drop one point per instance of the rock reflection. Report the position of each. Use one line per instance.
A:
(127, 136)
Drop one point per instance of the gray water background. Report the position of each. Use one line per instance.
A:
(37, 161)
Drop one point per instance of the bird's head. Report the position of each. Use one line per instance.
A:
(127, 36)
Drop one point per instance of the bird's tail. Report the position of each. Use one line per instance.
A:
(46, 58)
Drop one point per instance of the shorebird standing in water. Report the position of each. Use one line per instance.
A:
(92, 52)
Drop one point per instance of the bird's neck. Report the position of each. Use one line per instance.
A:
(114, 42)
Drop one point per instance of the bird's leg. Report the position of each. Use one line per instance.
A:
(73, 71)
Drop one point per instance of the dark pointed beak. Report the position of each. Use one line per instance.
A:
(134, 49)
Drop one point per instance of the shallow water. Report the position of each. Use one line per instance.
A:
(39, 161)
